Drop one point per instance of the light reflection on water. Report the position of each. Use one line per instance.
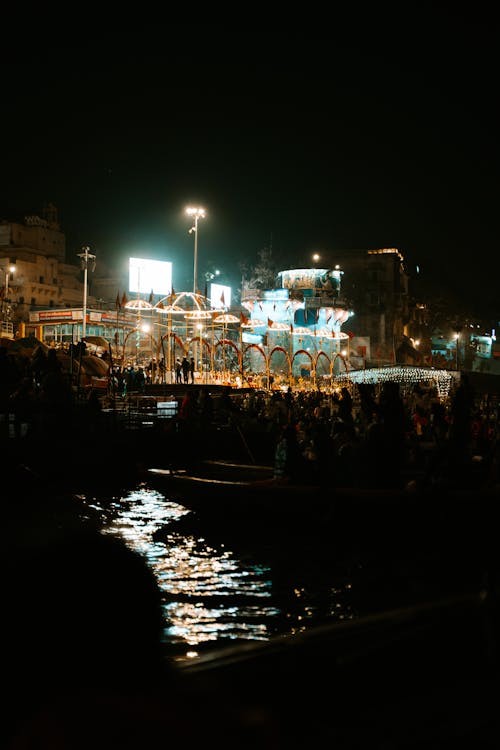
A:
(196, 579)
(211, 595)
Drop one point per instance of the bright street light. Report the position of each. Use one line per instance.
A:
(196, 213)
(9, 269)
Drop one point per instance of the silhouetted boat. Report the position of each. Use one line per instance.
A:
(249, 497)
(199, 488)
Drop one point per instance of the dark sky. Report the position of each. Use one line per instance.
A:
(363, 131)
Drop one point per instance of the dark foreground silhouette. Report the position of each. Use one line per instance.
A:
(84, 665)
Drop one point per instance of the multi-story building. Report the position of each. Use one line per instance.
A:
(33, 258)
(375, 283)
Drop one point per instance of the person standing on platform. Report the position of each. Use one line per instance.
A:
(185, 370)
(178, 371)
(140, 380)
(191, 369)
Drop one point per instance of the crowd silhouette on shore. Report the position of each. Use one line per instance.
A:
(364, 436)
(361, 435)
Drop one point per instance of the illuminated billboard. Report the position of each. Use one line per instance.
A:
(149, 275)
(220, 296)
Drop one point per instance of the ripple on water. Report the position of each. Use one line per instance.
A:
(209, 594)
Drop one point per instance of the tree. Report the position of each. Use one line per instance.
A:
(263, 274)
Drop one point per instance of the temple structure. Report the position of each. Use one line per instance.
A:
(297, 325)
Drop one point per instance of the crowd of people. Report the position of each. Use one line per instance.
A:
(363, 435)
(359, 435)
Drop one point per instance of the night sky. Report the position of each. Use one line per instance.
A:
(355, 131)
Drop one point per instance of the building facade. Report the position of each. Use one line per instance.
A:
(33, 256)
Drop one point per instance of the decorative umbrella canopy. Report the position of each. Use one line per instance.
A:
(198, 314)
(97, 341)
(189, 301)
(280, 326)
(256, 323)
(138, 304)
(95, 366)
(226, 318)
(169, 309)
(28, 344)
(323, 332)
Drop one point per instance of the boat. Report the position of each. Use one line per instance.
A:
(232, 490)
(197, 489)
(248, 513)
(249, 496)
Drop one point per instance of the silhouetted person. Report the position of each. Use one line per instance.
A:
(367, 403)
(460, 434)
(185, 370)
(140, 380)
(345, 409)
(289, 463)
(462, 404)
(393, 423)
(178, 370)
(55, 395)
(206, 407)
(128, 380)
(8, 379)
(38, 365)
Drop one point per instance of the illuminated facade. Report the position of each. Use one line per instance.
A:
(298, 324)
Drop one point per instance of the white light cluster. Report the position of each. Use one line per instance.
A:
(406, 376)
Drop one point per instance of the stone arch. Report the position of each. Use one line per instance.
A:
(143, 334)
(261, 351)
(227, 342)
(320, 354)
(287, 357)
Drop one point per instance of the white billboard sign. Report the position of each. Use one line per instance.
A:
(146, 276)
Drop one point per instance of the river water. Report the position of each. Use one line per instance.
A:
(221, 588)
(217, 591)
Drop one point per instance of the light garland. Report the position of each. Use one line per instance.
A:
(442, 380)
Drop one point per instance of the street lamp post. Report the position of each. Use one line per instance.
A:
(197, 213)
(85, 255)
(345, 356)
(200, 331)
(10, 269)
(457, 336)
